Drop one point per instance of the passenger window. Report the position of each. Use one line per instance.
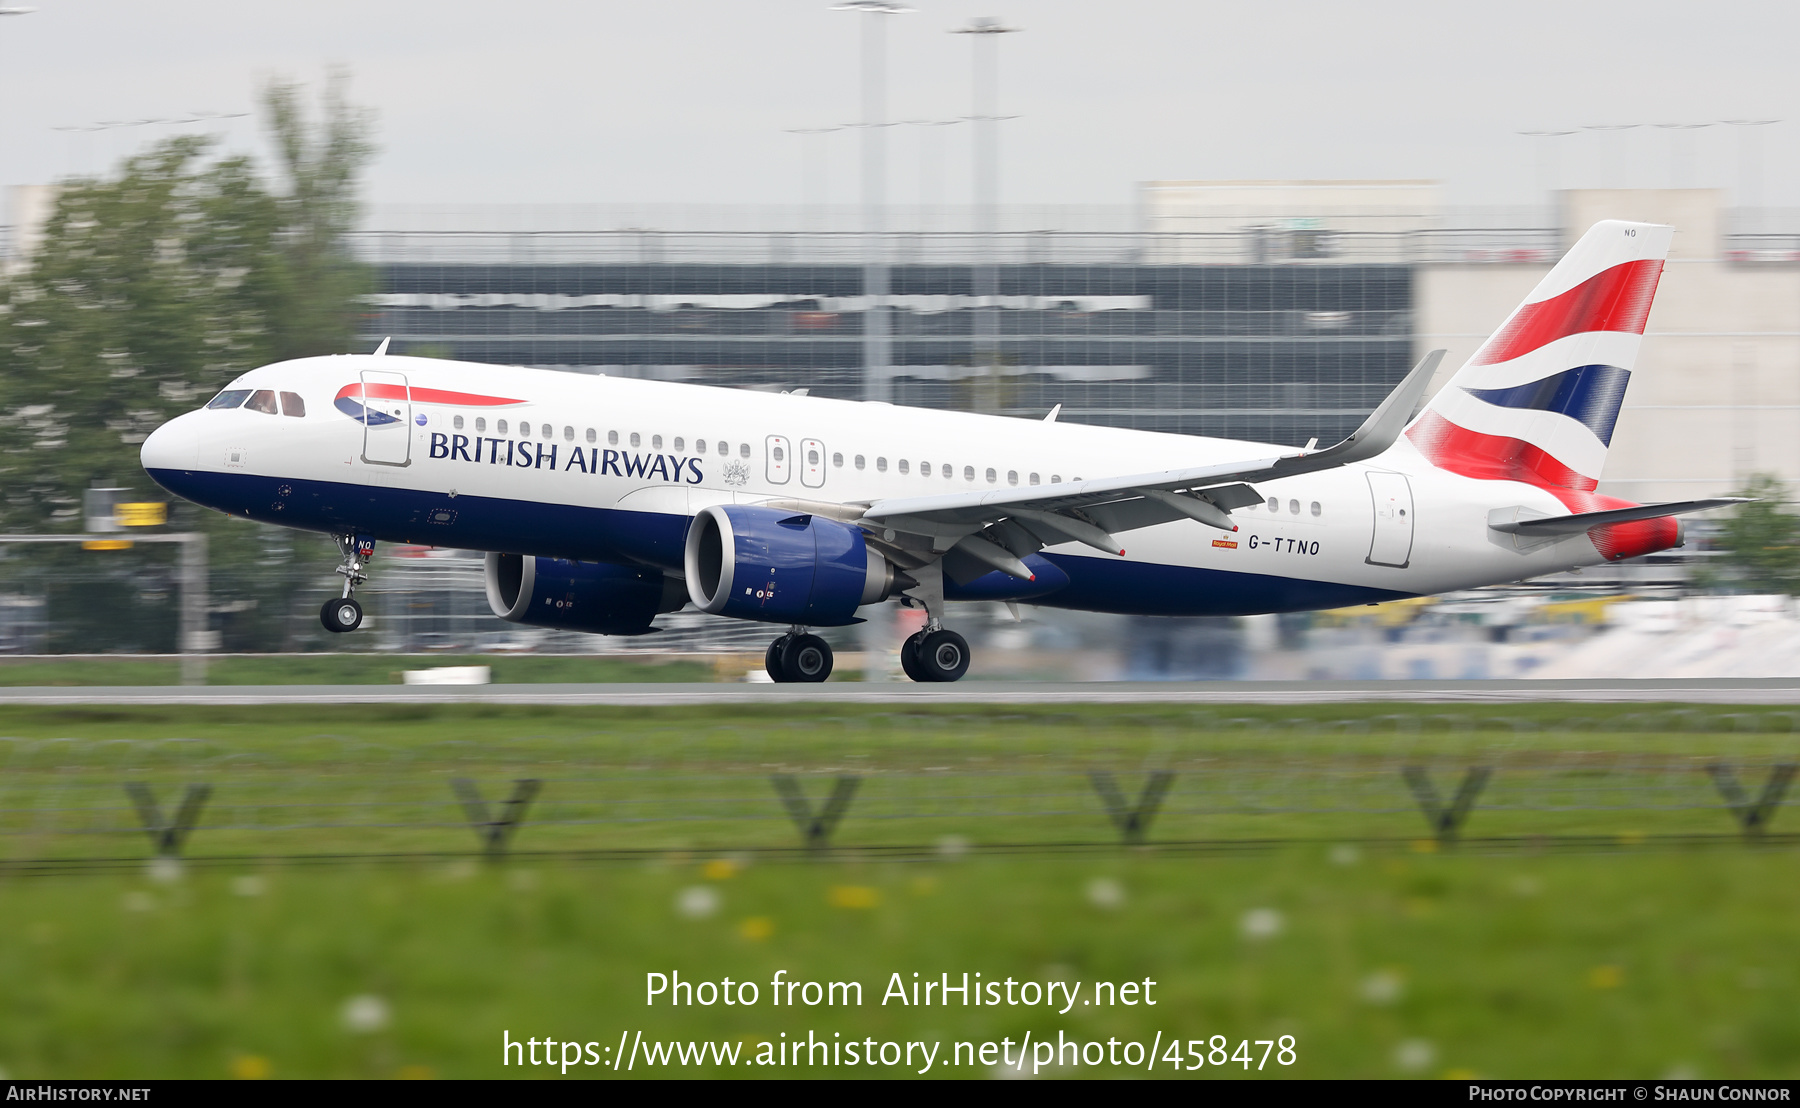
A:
(1294, 506)
(1274, 504)
(1056, 478)
(1034, 479)
(880, 465)
(969, 473)
(655, 442)
(524, 430)
(480, 424)
(634, 440)
(812, 457)
(902, 465)
(924, 468)
(1012, 477)
(699, 446)
(568, 434)
(744, 450)
(680, 445)
(262, 400)
(837, 461)
(230, 398)
(590, 433)
(456, 422)
(612, 438)
(1315, 508)
(292, 405)
(859, 461)
(500, 427)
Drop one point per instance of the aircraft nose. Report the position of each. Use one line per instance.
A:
(172, 446)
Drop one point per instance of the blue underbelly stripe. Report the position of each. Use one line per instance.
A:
(651, 538)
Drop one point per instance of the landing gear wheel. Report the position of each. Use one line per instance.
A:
(943, 656)
(772, 658)
(341, 615)
(806, 658)
(909, 656)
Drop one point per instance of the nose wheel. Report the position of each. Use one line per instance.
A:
(344, 614)
(940, 655)
(798, 656)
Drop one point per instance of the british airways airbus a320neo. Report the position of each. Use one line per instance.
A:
(604, 502)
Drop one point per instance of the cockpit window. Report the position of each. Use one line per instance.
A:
(292, 405)
(230, 398)
(262, 400)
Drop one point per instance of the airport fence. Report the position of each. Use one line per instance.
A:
(909, 785)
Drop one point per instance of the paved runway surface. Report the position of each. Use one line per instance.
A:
(1697, 691)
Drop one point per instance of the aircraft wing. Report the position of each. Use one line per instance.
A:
(997, 528)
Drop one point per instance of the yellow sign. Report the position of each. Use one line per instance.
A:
(107, 544)
(142, 514)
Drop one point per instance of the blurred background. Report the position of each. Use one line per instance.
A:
(1126, 215)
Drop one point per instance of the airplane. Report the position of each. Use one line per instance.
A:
(602, 503)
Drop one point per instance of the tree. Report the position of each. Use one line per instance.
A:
(1762, 539)
(150, 291)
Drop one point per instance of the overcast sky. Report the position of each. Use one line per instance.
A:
(578, 101)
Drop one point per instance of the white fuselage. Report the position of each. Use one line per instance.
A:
(600, 468)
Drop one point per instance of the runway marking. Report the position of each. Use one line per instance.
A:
(1693, 691)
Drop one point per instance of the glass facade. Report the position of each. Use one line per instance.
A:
(1277, 352)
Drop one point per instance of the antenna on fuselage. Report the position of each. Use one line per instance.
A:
(1054, 412)
(382, 349)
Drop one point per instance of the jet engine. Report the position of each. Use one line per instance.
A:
(779, 567)
(599, 597)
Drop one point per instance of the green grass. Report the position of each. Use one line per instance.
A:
(345, 669)
(1638, 961)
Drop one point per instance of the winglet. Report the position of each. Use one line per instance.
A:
(1385, 423)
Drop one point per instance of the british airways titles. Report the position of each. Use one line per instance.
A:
(592, 459)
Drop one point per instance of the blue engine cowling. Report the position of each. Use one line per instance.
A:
(777, 566)
(598, 597)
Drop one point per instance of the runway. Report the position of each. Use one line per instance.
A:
(1765, 691)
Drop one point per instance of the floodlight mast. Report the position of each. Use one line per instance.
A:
(985, 272)
(877, 340)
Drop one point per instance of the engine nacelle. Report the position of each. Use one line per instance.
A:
(598, 597)
(782, 567)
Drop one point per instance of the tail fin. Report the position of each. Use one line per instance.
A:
(1537, 403)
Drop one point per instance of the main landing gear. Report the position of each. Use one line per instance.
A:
(344, 614)
(935, 654)
(798, 656)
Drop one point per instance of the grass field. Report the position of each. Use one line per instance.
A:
(1561, 938)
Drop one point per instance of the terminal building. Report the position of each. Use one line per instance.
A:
(1273, 311)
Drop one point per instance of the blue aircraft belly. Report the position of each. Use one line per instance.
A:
(1138, 588)
(612, 535)
(435, 519)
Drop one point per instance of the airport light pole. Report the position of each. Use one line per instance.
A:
(1749, 160)
(984, 274)
(1549, 165)
(1617, 131)
(877, 343)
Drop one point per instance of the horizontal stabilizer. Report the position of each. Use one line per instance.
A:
(1587, 521)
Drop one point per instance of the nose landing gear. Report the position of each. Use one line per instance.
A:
(344, 614)
(798, 656)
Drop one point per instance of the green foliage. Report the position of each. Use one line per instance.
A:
(1762, 539)
(153, 288)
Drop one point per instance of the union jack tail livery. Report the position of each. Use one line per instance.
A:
(1538, 401)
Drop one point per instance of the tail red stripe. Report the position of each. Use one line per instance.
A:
(1497, 458)
(1492, 457)
(1617, 299)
